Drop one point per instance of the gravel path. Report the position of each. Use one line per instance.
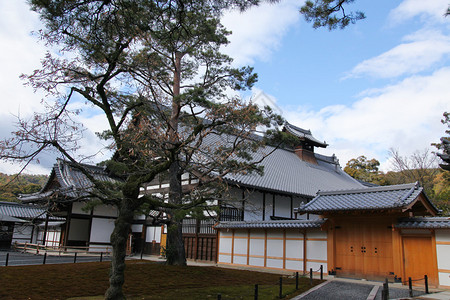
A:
(341, 290)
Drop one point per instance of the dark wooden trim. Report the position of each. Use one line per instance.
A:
(90, 227)
(264, 206)
(292, 206)
(44, 237)
(273, 205)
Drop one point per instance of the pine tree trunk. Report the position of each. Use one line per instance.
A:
(119, 239)
(175, 247)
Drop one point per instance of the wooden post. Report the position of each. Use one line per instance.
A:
(219, 296)
(45, 258)
(321, 272)
(386, 288)
(75, 258)
(281, 288)
(410, 287)
(7, 259)
(101, 256)
(310, 276)
(426, 285)
(256, 292)
(296, 280)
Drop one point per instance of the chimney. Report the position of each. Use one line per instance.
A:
(306, 153)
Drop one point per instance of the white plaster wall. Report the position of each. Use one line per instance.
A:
(256, 261)
(240, 246)
(105, 210)
(153, 234)
(77, 208)
(274, 263)
(316, 234)
(253, 206)
(224, 258)
(283, 206)
(136, 228)
(315, 266)
(22, 233)
(443, 255)
(225, 242)
(294, 249)
(316, 250)
(240, 260)
(101, 230)
(256, 247)
(294, 265)
(269, 206)
(275, 248)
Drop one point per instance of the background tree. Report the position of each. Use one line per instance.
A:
(366, 170)
(444, 145)
(330, 13)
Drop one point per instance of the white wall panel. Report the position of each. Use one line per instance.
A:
(294, 265)
(105, 210)
(256, 261)
(240, 260)
(253, 206)
(225, 258)
(256, 247)
(294, 249)
(282, 206)
(153, 234)
(136, 228)
(22, 233)
(274, 263)
(224, 244)
(77, 208)
(444, 279)
(240, 246)
(442, 235)
(316, 250)
(101, 230)
(275, 248)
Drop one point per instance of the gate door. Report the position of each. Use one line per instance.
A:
(419, 259)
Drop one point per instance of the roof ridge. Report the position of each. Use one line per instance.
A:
(371, 189)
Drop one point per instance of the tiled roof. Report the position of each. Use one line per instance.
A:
(303, 134)
(425, 223)
(284, 224)
(22, 211)
(72, 183)
(285, 172)
(371, 198)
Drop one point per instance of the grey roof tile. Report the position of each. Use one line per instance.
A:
(284, 224)
(22, 211)
(424, 223)
(370, 198)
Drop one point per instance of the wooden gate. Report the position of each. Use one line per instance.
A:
(364, 250)
(419, 259)
(200, 239)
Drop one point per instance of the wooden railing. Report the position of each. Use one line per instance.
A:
(37, 248)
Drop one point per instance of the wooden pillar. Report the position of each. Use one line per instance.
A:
(284, 248)
(248, 247)
(44, 237)
(305, 253)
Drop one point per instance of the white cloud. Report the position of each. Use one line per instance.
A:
(426, 9)
(405, 115)
(421, 51)
(258, 31)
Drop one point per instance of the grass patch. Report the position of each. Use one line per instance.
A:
(143, 280)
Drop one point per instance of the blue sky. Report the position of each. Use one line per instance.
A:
(378, 84)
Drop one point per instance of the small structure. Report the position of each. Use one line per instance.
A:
(27, 224)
